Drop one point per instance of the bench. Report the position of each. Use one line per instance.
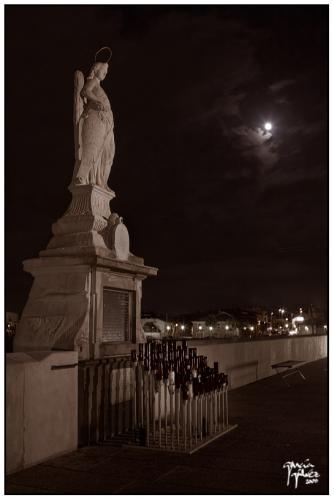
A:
(291, 369)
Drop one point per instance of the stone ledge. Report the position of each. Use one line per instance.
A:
(133, 265)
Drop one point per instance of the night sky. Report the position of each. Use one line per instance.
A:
(229, 215)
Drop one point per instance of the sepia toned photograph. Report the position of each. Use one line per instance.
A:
(166, 249)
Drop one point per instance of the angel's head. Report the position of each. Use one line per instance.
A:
(98, 70)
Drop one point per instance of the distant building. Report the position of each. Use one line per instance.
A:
(199, 328)
(12, 317)
(309, 320)
(217, 325)
(247, 320)
(12, 320)
(238, 322)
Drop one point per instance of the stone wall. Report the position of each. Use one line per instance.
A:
(41, 406)
(248, 361)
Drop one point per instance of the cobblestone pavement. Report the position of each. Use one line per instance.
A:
(275, 424)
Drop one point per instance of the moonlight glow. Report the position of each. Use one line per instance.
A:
(268, 126)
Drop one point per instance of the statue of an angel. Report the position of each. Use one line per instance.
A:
(93, 128)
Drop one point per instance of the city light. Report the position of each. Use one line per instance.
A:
(306, 328)
(200, 327)
(325, 327)
(210, 328)
(227, 327)
(182, 327)
(299, 319)
(252, 328)
(286, 325)
(168, 328)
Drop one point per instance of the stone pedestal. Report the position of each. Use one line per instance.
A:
(83, 227)
(88, 258)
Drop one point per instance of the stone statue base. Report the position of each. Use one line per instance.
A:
(86, 294)
(66, 305)
(81, 229)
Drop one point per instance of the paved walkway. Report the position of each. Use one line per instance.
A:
(276, 424)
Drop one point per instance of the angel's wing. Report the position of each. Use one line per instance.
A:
(78, 105)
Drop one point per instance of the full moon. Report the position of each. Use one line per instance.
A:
(268, 126)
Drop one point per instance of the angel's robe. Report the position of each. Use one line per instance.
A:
(96, 145)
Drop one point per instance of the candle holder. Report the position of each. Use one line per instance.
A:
(182, 401)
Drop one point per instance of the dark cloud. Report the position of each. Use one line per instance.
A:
(278, 86)
(256, 143)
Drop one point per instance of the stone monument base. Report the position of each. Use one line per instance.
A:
(83, 227)
(86, 294)
(69, 306)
